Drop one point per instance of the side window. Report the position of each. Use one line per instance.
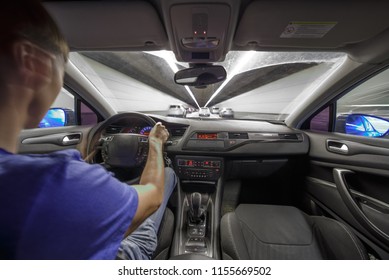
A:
(63, 112)
(87, 116)
(364, 111)
(321, 122)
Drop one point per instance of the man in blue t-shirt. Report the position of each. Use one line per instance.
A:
(56, 206)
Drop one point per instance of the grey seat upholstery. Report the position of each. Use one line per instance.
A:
(190, 257)
(284, 232)
(165, 236)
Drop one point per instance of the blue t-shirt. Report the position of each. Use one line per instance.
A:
(56, 206)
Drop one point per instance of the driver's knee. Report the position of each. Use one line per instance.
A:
(170, 179)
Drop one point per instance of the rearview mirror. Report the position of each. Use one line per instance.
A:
(200, 76)
(57, 117)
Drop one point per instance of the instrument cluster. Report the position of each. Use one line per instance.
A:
(143, 130)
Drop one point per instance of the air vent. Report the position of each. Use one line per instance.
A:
(178, 132)
(288, 136)
(238, 135)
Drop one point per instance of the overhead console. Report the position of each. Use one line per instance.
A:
(199, 32)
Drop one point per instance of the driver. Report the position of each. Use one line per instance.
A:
(56, 206)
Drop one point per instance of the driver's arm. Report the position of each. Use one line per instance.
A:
(151, 186)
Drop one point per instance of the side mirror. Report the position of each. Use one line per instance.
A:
(200, 76)
(57, 117)
(366, 125)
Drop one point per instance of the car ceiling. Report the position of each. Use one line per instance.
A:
(359, 28)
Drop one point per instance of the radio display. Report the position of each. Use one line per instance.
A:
(199, 163)
(206, 135)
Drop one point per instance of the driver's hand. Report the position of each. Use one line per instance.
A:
(159, 132)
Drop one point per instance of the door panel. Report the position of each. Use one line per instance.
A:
(46, 140)
(371, 221)
(352, 183)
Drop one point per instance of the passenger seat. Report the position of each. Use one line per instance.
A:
(270, 232)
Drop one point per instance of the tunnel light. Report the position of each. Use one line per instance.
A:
(170, 59)
(191, 95)
(247, 57)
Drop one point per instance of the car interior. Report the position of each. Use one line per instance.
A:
(307, 183)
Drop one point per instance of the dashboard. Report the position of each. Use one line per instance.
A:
(201, 150)
(221, 137)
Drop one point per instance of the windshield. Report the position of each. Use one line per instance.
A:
(259, 85)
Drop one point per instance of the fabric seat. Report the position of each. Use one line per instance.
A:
(165, 236)
(284, 232)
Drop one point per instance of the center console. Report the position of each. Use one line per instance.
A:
(199, 205)
(205, 169)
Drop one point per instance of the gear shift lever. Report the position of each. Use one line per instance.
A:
(195, 209)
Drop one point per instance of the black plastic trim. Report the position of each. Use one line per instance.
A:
(340, 181)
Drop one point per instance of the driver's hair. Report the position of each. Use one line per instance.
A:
(29, 20)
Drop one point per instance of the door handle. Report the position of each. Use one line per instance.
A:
(337, 147)
(71, 139)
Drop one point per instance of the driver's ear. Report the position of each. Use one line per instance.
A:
(34, 65)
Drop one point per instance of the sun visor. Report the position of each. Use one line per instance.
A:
(310, 24)
(109, 25)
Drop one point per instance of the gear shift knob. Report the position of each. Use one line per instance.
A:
(195, 205)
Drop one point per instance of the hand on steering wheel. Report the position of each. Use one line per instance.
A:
(159, 133)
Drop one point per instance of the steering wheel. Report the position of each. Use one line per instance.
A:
(122, 149)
